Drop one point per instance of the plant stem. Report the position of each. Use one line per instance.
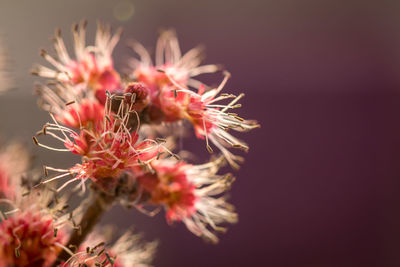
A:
(99, 204)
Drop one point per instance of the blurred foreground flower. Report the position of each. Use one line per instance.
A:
(127, 251)
(31, 227)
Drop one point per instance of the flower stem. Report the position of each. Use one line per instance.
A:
(99, 204)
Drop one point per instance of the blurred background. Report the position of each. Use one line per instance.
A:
(320, 186)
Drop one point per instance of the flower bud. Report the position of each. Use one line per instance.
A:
(137, 96)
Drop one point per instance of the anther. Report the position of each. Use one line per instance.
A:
(35, 140)
(160, 140)
(109, 258)
(45, 171)
(17, 252)
(101, 252)
(43, 52)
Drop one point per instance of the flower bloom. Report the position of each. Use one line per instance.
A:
(171, 62)
(92, 68)
(109, 147)
(190, 194)
(169, 82)
(28, 239)
(32, 228)
(127, 251)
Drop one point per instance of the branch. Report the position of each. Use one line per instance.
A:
(100, 203)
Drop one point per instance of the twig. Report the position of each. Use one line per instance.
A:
(100, 203)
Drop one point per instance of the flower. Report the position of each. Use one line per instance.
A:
(14, 161)
(109, 147)
(28, 239)
(212, 121)
(32, 228)
(92, 68)
(171, 62)
(71, 109)
(169, 82)
(191, 194)
(127, 251)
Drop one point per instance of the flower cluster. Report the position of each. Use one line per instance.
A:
(176, 95)
(35, 224)
(105, 120)
(187, 192)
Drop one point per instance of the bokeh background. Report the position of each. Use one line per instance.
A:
(321, 183)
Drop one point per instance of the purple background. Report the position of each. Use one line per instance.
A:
(320, 186)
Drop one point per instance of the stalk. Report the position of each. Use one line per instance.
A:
(99, 204)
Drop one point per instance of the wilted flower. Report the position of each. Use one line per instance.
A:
(191, 193)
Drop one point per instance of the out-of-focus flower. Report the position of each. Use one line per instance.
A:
(27, 239)
(92, 68)
(127, 251)
(32, 229)
(14, 161)
(191, 194)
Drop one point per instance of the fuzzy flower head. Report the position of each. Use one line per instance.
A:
(109, 148)
(127, 251)
(191, 194)
(178, 96)
(170, 68)
(28, 238)
(69, 108)
(32, 229)
(92, 68)
(170, 65)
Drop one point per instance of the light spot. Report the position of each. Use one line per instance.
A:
(124, 10)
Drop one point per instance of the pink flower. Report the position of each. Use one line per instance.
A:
(109, 147)
(169, 187)
(170, 81)
(28, 239)
(32, 227)
(85, 114)
(92, 68)
(169, 64)
(191, 194)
